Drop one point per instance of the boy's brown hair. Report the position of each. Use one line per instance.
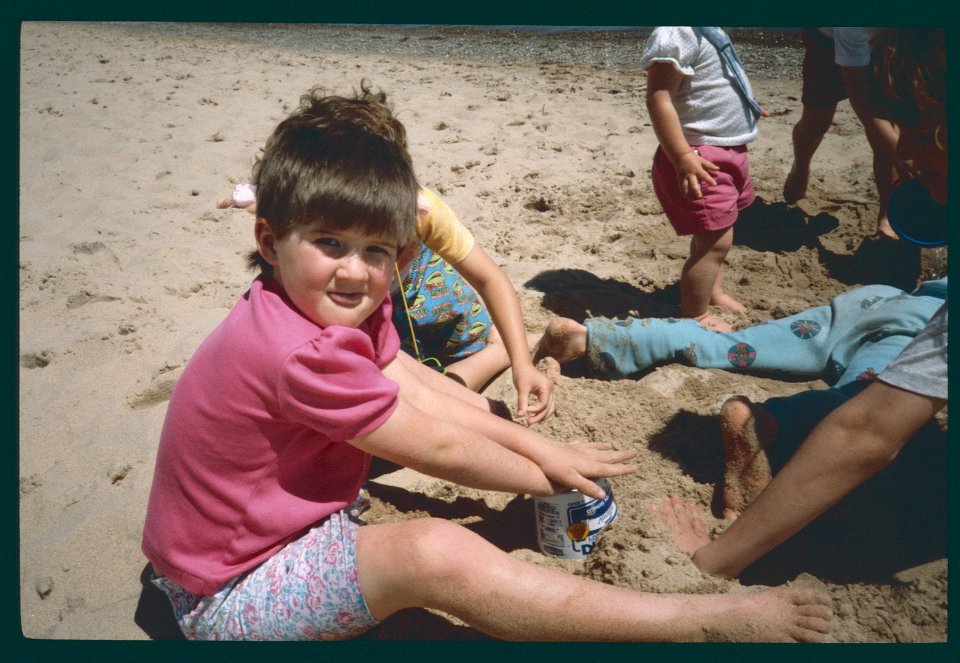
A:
(341, 162)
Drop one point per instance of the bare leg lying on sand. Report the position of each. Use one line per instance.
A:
(431, 563)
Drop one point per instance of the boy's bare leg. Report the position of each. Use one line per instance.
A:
(432, 563)
(563, 339)
(747, 429)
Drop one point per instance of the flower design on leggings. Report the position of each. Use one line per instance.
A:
(805, 328)
(741, 355)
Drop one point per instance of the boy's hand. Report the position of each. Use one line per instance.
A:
(691, 169)
(573, 465)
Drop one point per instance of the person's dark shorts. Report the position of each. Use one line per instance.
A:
(823, 85)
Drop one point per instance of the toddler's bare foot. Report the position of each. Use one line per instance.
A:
(725, 301)
(223, 203)
(563, 339)
(746, 429)
(713, 323)
(785, 614)
(795, 186)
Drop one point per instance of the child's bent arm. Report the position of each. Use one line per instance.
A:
(663, 82)
(500, 297)
(570, 465)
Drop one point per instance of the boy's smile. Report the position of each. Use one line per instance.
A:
(334, 277)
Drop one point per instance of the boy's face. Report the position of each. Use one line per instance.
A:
(333, 277)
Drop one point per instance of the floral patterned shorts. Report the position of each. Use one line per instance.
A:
(307, 591)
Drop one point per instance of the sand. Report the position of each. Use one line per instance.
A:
(543, 146)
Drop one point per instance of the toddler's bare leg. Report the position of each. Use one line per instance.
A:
(719, 296)
(747, 429)
(699, 279)
(563, 339)
(431, 563)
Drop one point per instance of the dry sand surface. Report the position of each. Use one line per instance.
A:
(130, 132)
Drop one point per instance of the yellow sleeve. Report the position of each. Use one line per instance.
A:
(440, 229)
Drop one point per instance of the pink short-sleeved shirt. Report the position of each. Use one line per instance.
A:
(254, 445)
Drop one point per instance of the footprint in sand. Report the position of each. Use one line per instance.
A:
(86, 297)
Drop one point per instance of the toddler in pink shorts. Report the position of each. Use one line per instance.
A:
(703, 112)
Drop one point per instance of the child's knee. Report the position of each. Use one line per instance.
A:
(441, 548)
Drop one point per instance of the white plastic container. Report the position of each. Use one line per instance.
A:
(568, 524)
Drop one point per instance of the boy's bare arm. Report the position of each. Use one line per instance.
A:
(570, 465)
(854, 442)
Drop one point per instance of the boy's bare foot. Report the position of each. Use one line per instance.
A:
(884, 229)
(795, 186)
(746, 429)
(785, 614)
(713, 323)
(725, 301)
(563, 339)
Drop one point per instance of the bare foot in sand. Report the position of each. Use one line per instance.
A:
(779, 615)
(563, 339)
(747, 429)
(884, 229)
(713, 323)
(785, 614)
(795, 186)
(725, 301)
(224, 203)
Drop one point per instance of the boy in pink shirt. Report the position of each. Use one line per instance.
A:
(271, 429)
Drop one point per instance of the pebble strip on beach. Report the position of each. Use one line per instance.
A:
(766, 52)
